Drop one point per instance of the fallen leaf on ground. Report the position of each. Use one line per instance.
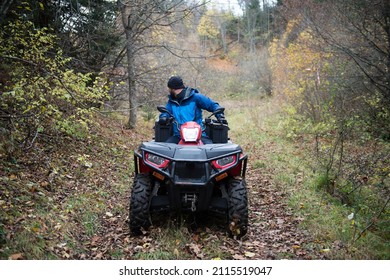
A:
(249, 254)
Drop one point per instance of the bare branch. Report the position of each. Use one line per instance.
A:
(373, 220)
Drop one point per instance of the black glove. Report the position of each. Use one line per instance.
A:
(221, 119)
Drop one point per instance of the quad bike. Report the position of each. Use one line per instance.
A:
(190, 176)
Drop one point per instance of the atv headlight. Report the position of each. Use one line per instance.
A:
(190, 134)
(225, 162)
(157, 161)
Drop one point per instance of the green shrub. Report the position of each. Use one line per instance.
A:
(40, 95)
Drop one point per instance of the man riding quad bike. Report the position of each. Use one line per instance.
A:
(190, 176)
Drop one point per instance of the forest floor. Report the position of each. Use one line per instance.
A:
(70, 201)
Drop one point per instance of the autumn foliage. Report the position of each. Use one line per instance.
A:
(331, 74)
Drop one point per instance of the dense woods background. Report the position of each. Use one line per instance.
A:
(323, 67)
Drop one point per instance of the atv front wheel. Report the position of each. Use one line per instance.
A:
(140, 203)
(237, 207)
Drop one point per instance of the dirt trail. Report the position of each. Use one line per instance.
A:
(274, 228)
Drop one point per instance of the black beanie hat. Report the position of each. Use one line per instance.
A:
(175, 82)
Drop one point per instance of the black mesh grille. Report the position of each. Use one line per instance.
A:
(193, 172)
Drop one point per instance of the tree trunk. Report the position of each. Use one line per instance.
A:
(4, 9)
(132, 86)
(386, 14)
(130, 67)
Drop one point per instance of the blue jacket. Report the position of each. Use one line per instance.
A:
(189, 109)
